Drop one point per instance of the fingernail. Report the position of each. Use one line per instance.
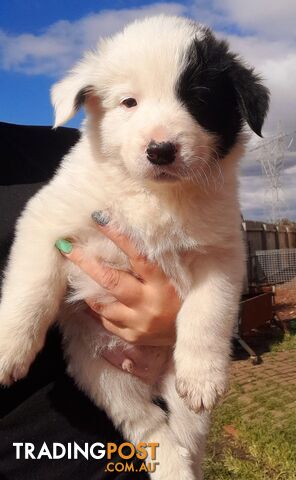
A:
(100, 217)
(65, 246)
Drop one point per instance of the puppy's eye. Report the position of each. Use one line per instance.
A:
(129, 102)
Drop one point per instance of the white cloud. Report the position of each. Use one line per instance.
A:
(256, 192)
(252, 196)
(62, 43)
(256, 196)
(273, 19)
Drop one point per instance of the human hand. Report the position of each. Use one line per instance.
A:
(147, 303)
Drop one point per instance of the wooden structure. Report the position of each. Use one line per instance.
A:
(267, 236)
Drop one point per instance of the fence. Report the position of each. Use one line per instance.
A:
(267, 236)
(274, 267)
(275, 240)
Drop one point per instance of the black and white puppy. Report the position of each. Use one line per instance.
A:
(166, 106)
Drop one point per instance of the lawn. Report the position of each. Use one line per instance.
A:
(253, 435)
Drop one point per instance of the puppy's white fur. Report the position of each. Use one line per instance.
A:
(191, 227)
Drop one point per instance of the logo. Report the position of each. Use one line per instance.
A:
(126, 451)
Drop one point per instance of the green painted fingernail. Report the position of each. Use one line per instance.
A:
(64, 245)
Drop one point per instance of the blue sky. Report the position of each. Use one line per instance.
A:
(40, 40)
(33, 15)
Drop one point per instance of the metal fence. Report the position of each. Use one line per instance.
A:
(270, 253)
(273, 267)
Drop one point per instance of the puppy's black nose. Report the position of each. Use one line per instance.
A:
(161, 153)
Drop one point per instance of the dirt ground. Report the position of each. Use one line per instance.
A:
(285, 301)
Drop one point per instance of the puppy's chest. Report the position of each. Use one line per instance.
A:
(160, 239)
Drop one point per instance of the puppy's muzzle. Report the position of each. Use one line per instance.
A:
(161, 153)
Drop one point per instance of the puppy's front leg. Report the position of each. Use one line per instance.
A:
(32, 289)
(204, 329)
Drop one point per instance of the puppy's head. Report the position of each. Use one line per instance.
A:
(165, 99)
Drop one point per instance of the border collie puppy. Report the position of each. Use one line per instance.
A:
(166, 105)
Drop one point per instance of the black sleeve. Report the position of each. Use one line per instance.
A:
(31, 154)
(29, 158)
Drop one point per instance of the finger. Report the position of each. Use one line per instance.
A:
(131, 335)
(116, 312)
(122, 285)
(141, 265)
(125, 334)
(135, 338)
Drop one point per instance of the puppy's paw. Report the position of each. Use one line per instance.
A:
(10, 373)
(16, 357)
(201, 388)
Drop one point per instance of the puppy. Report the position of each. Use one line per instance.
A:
(166, 106)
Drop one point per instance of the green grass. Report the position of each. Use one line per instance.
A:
(286, 344)
(263, 446)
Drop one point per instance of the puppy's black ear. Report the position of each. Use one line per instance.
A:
(252, 96)
(220, 92)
